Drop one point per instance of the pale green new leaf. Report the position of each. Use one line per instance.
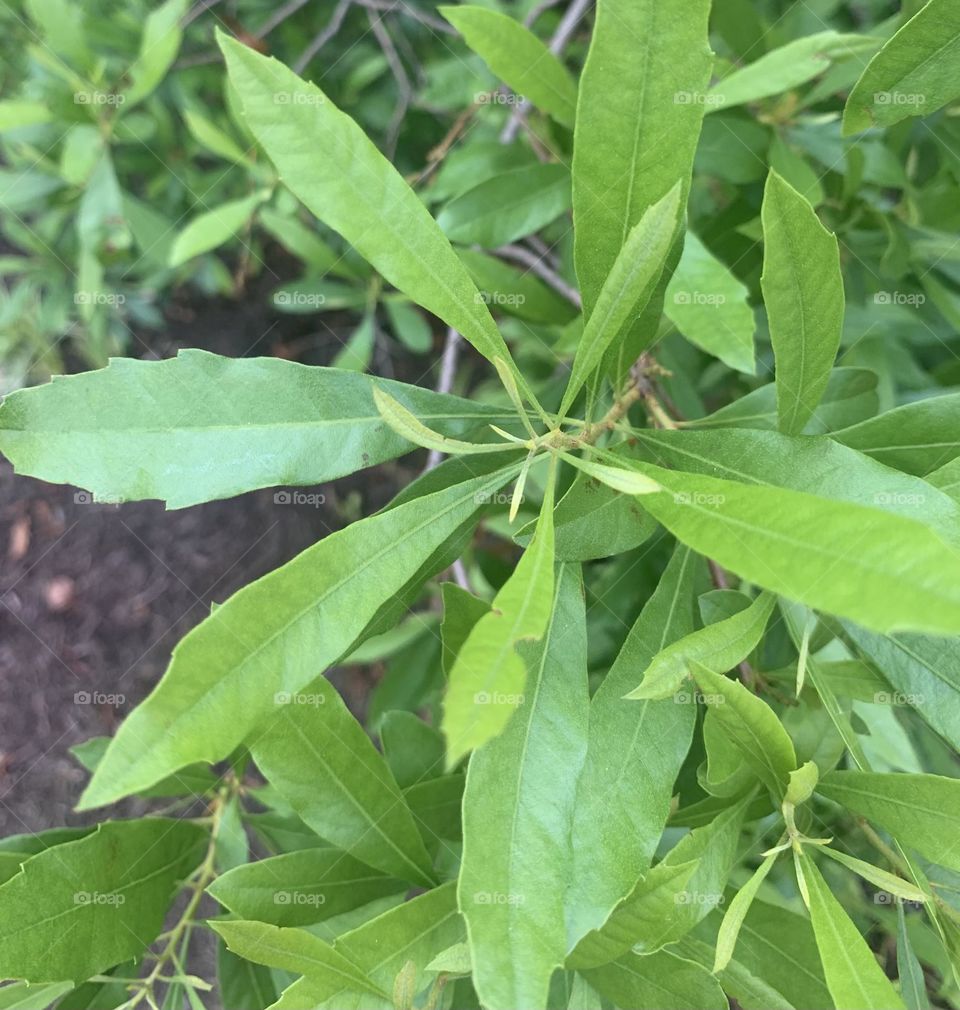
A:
(787, 67)
(16, 114)
(737, 911)
(855, 980)
(913, 984)
(803, 293)
(879, 878)
(518, 58)
(487, 682)
(299, 888)
(898, 574)
(213, 227)
(752, 726)
(294, 950)
(158, 49)
(626, 289)
(918, 438)
(359, 194)
(639, 114)
(318, 757)
(517, 812)
(708, 305)
(79, 908)
(197, 427)
(922, 811)
(914, 74)
(275, 635)
(721, 646)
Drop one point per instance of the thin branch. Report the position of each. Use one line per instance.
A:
(321, 39)
(538, 265)
(198, 9)
(404, 89)
(448, 372)
(531, 19)
(400, 7)
(568, 25)
(278, 17)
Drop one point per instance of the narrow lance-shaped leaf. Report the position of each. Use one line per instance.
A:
(913, 984)
(318, 757)
(359, 194)
(803, 293)
(487, 682)
(197, 427)
(855, 980)
(921, 811)
(639, 114)
(897, 886)
(517, 858)
(519, 58)
(276, 635)
(737, 911)
(898, 574)
(722, 646)
(209, 230)
(914, 74)
(627, 288)
(158, 49)
(79, 908)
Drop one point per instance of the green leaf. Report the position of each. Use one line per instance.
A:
(914, 74)
(275, 634)
(855, 980)
(197, 427)
(723, 645)
(638, 121)
(159, 46)
(657, 981)
(79, 908)
(922, 671)
(917, 438)
(24, 996)
(409, 325)
(896, 886)
(413, 749)
(913, 984)
(415, 931)
(243, 985)
(517, 857)
(623, 797)
(299, 888)
(816, 465)
(802, 783)
(737, 911)
(357, 353)
(787, 67)
(348, 189)
(519, 58)
(508, 206)
(212, 228)
(16, 114)
(708, 305)
(803, 293)
(318, 757)
(626, 289)
(214, 139)
(294, 950)
(898, 574)
(752, 726)
(487, 682)
(922, 811)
